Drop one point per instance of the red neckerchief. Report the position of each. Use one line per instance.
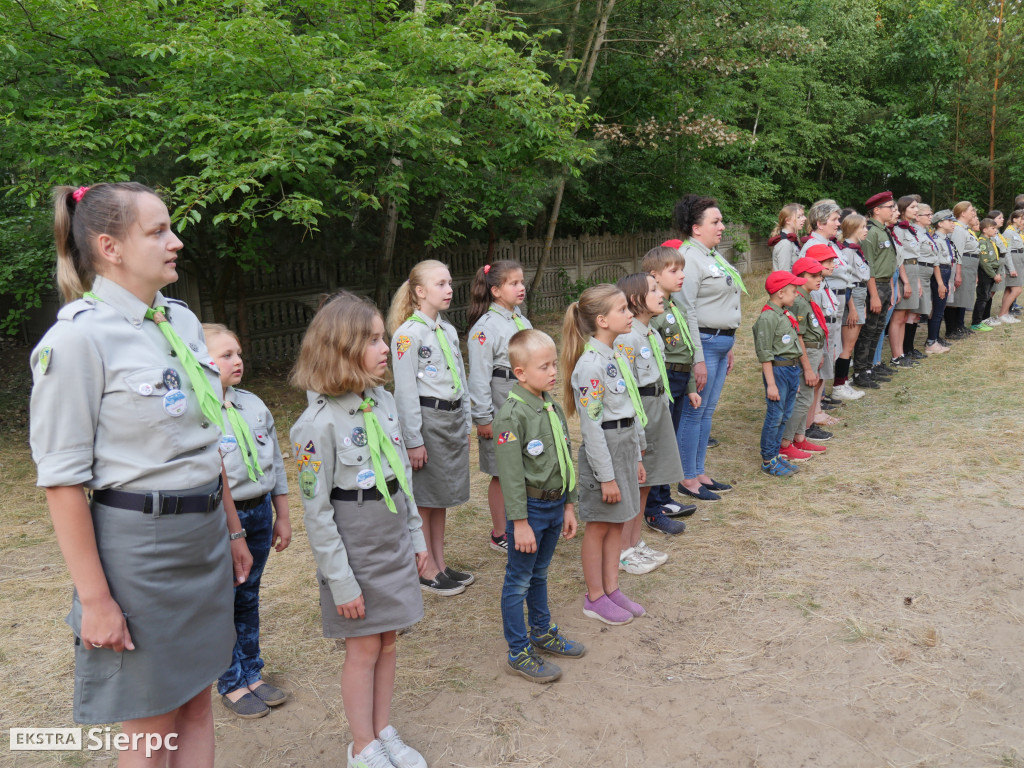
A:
(892, 234)
(804, 239)
(776, 239)
(792, 320)
(820, 317)
(907, 226)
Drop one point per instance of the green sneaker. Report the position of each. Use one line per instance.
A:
(533, 667)
(554, 641)
(981, 327)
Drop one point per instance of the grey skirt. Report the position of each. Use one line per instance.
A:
(380, 554)
(624, 447)
(833, 346)
(926, 272)
(172, 577)
(661, 459)
(444, 480)
(499, 394)
(963, 297)
(911, 304)
(1014, 282)
(860, 303)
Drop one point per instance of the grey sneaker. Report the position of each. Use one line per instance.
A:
(400, 753)
(373, 756)
(533, 667)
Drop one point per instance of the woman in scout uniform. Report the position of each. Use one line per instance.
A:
(259, 486)
(644, 349)
(603, 392)
(942, 285)
(853, 230)
(966, 281)
(362, 522)
(1014, 271)
(430, 389)
(494, 317)
(908, 249)
(711, 300)
(929, 264)
(126, 404)
(785, 238)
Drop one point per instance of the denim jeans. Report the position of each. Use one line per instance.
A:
(938, 305)
(695, 425)
(661, 495)
(245, 658)
(777, 412)
(526, 574)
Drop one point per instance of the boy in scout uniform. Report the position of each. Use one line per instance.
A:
(531, 441)
(988, 276)
(778, 351)
(880, 254)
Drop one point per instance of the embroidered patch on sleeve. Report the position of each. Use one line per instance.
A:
(506, 437)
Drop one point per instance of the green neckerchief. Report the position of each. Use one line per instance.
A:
(245, 441)
(377, 441)
(520, 325)
(209, 403)
(729, 268)
(449, 358)
(652, 337)
(634, 392)
(684, 329)
(565, 466)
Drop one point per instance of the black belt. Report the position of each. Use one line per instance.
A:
(369, 494)
(655, 390)
(156, 503)
(244, 505)
(718, 331)
(620, 423)
(503, 373)
(859, 285)
(677, 367)
(536, 493)
(969, 255)
(441, 405)
(926, 264)
(784, 363)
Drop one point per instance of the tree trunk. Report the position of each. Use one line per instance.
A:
(380, 294)
(545, 255)
(242, 310)
(992, 122)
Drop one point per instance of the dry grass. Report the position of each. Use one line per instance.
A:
(862, 606)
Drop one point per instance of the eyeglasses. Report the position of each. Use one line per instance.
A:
(888, 205)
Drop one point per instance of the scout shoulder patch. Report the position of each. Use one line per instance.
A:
(45, 354)
(309, 483)
(595, 409)
(402, 344)
(310, 447)
(506, 437)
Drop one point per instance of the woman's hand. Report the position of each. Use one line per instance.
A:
(104, 626)
(418, 457)
(241, 560)
(355, 609)
(728, 362)
(700, 374)
(421, 564)
(610, 493)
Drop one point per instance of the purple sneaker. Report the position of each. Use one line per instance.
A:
(624, 602)
(603, 609)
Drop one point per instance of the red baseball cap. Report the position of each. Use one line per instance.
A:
(820, 252)
(779, 280)
(673, 244)
(807, 264)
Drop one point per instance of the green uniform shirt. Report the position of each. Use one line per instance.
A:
(775, 336)
(988, 256)
(525, 450)
(879, 251)
(667, 327)
(810, 328)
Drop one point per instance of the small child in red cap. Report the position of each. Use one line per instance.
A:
(779, 352)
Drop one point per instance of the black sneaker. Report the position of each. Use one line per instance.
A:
(815, 432)
(884, 368)
(442, 585)
(499, 543)
(917, 354)
(902, 362)
(465, 579)
(712, 443)
(881, 374)
(831, 400)
(828, 406)
(865, 381)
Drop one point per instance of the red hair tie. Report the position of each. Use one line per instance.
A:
(487, 269)
(79, 193)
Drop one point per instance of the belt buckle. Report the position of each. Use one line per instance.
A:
(155, 503)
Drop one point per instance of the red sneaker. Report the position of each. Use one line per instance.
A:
(792, 453)
(808, 447)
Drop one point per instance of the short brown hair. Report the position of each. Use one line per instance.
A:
(526, 343)
(331, 357)
(986, 223)
(661, 258)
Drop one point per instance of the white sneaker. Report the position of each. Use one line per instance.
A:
(400, 753)
(373, 756)
(651, 554)
(1008, 319)
(634, 562)
(846, 392)
(992, 322)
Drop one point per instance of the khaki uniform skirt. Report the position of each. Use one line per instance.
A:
(926, 272)
(963, 297)
(661, 459)
(172, 577)
(860, 303)
(499, 394)
(911, 304)
(624, 447)
(380, 554)
(833, 346)
(444, 480)
(1018, 281)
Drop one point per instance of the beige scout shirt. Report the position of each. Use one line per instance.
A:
(421, 371)
(487, 349)
(710, 297)
(260, 421)
(112, 407)
(335, 454)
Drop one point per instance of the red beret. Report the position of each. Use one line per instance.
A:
(673, 244)
(876, 200)
(820, 252)
(807, 264)
(779, 280)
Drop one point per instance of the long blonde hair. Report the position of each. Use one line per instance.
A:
(405, 301)
(788, 212)
(580, 324)
(851, 224)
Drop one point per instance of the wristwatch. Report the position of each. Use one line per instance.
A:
(239, 535)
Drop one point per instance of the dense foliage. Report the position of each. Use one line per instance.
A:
(356, 126)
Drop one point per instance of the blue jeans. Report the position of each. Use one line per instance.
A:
(885, 328)
(660, 495)
(526, 574)
(695, 426)
(777, 412)
(245, 658)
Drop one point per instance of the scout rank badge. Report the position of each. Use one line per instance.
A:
(310, 448)
(402, 344)
(506, 437)
(44, 359)
(424, 352)
(629, 352)
(171, 379)
(480, 337)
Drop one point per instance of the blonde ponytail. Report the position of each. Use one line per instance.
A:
(406, 301)
(579, 325)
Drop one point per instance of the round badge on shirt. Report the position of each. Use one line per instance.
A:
(645, 352)
(671, 318)
(175, 402)
(171, 379)
(366, 479)
(612, 371)
(424, 352)
(619, 386)
(359, 436)
(786, 338)
(431, 371)
(814, 322)
(228, 443)
(145, 389)
(535, 447)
